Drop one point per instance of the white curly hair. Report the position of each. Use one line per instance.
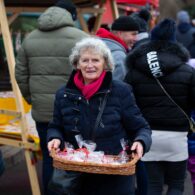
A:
(95, 44)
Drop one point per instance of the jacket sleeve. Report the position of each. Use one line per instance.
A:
(128, 78)
(120, 69)
(22, 74)
(129, 64)
(135, 124)
(55, 128)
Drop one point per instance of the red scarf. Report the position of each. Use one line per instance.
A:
(103, 33)
(90, 89)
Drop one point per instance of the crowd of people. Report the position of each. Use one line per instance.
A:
(145, 78)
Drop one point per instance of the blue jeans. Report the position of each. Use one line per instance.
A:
(47, 168)
(171, 173)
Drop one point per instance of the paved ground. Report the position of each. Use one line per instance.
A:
(188, 186)
(15, 179)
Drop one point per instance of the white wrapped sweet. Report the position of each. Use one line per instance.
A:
(96, 157)
(90, 145)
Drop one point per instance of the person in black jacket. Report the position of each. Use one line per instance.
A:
(164, 58)
(77, 106)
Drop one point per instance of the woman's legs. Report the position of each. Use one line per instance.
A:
(171, 172)
(141, 178)
(155, 172)
(175, 177)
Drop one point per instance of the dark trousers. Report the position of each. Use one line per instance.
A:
(2, 164)
(47, 167)
(171, 173)
(141, 179)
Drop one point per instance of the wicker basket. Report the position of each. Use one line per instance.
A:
(89, 167)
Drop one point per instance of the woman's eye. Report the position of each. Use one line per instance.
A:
(85, 60)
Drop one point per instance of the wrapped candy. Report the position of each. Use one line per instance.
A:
(79, 140)
(86, 153)
(90, 145)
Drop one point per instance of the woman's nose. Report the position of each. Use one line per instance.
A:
(90, 63)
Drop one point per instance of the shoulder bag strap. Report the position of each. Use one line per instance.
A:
(153, 54)
(191, 122)
(98, 119)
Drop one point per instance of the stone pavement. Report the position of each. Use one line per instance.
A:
(15, 179)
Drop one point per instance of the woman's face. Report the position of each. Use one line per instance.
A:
(91, 65)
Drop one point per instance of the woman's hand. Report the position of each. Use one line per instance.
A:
(138, 148)
(55, 144)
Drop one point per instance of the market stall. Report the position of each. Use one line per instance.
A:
(94, 7)
(125, 7)
(153, 3)
(131, 6)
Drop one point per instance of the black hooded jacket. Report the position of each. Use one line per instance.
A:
(177, 77)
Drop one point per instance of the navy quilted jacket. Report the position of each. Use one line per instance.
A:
(73, 114)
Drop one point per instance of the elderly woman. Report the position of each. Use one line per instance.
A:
(76, 108)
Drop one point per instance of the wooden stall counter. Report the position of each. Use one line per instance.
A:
(9, 125)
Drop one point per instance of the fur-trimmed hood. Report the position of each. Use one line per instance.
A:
(170, 56)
